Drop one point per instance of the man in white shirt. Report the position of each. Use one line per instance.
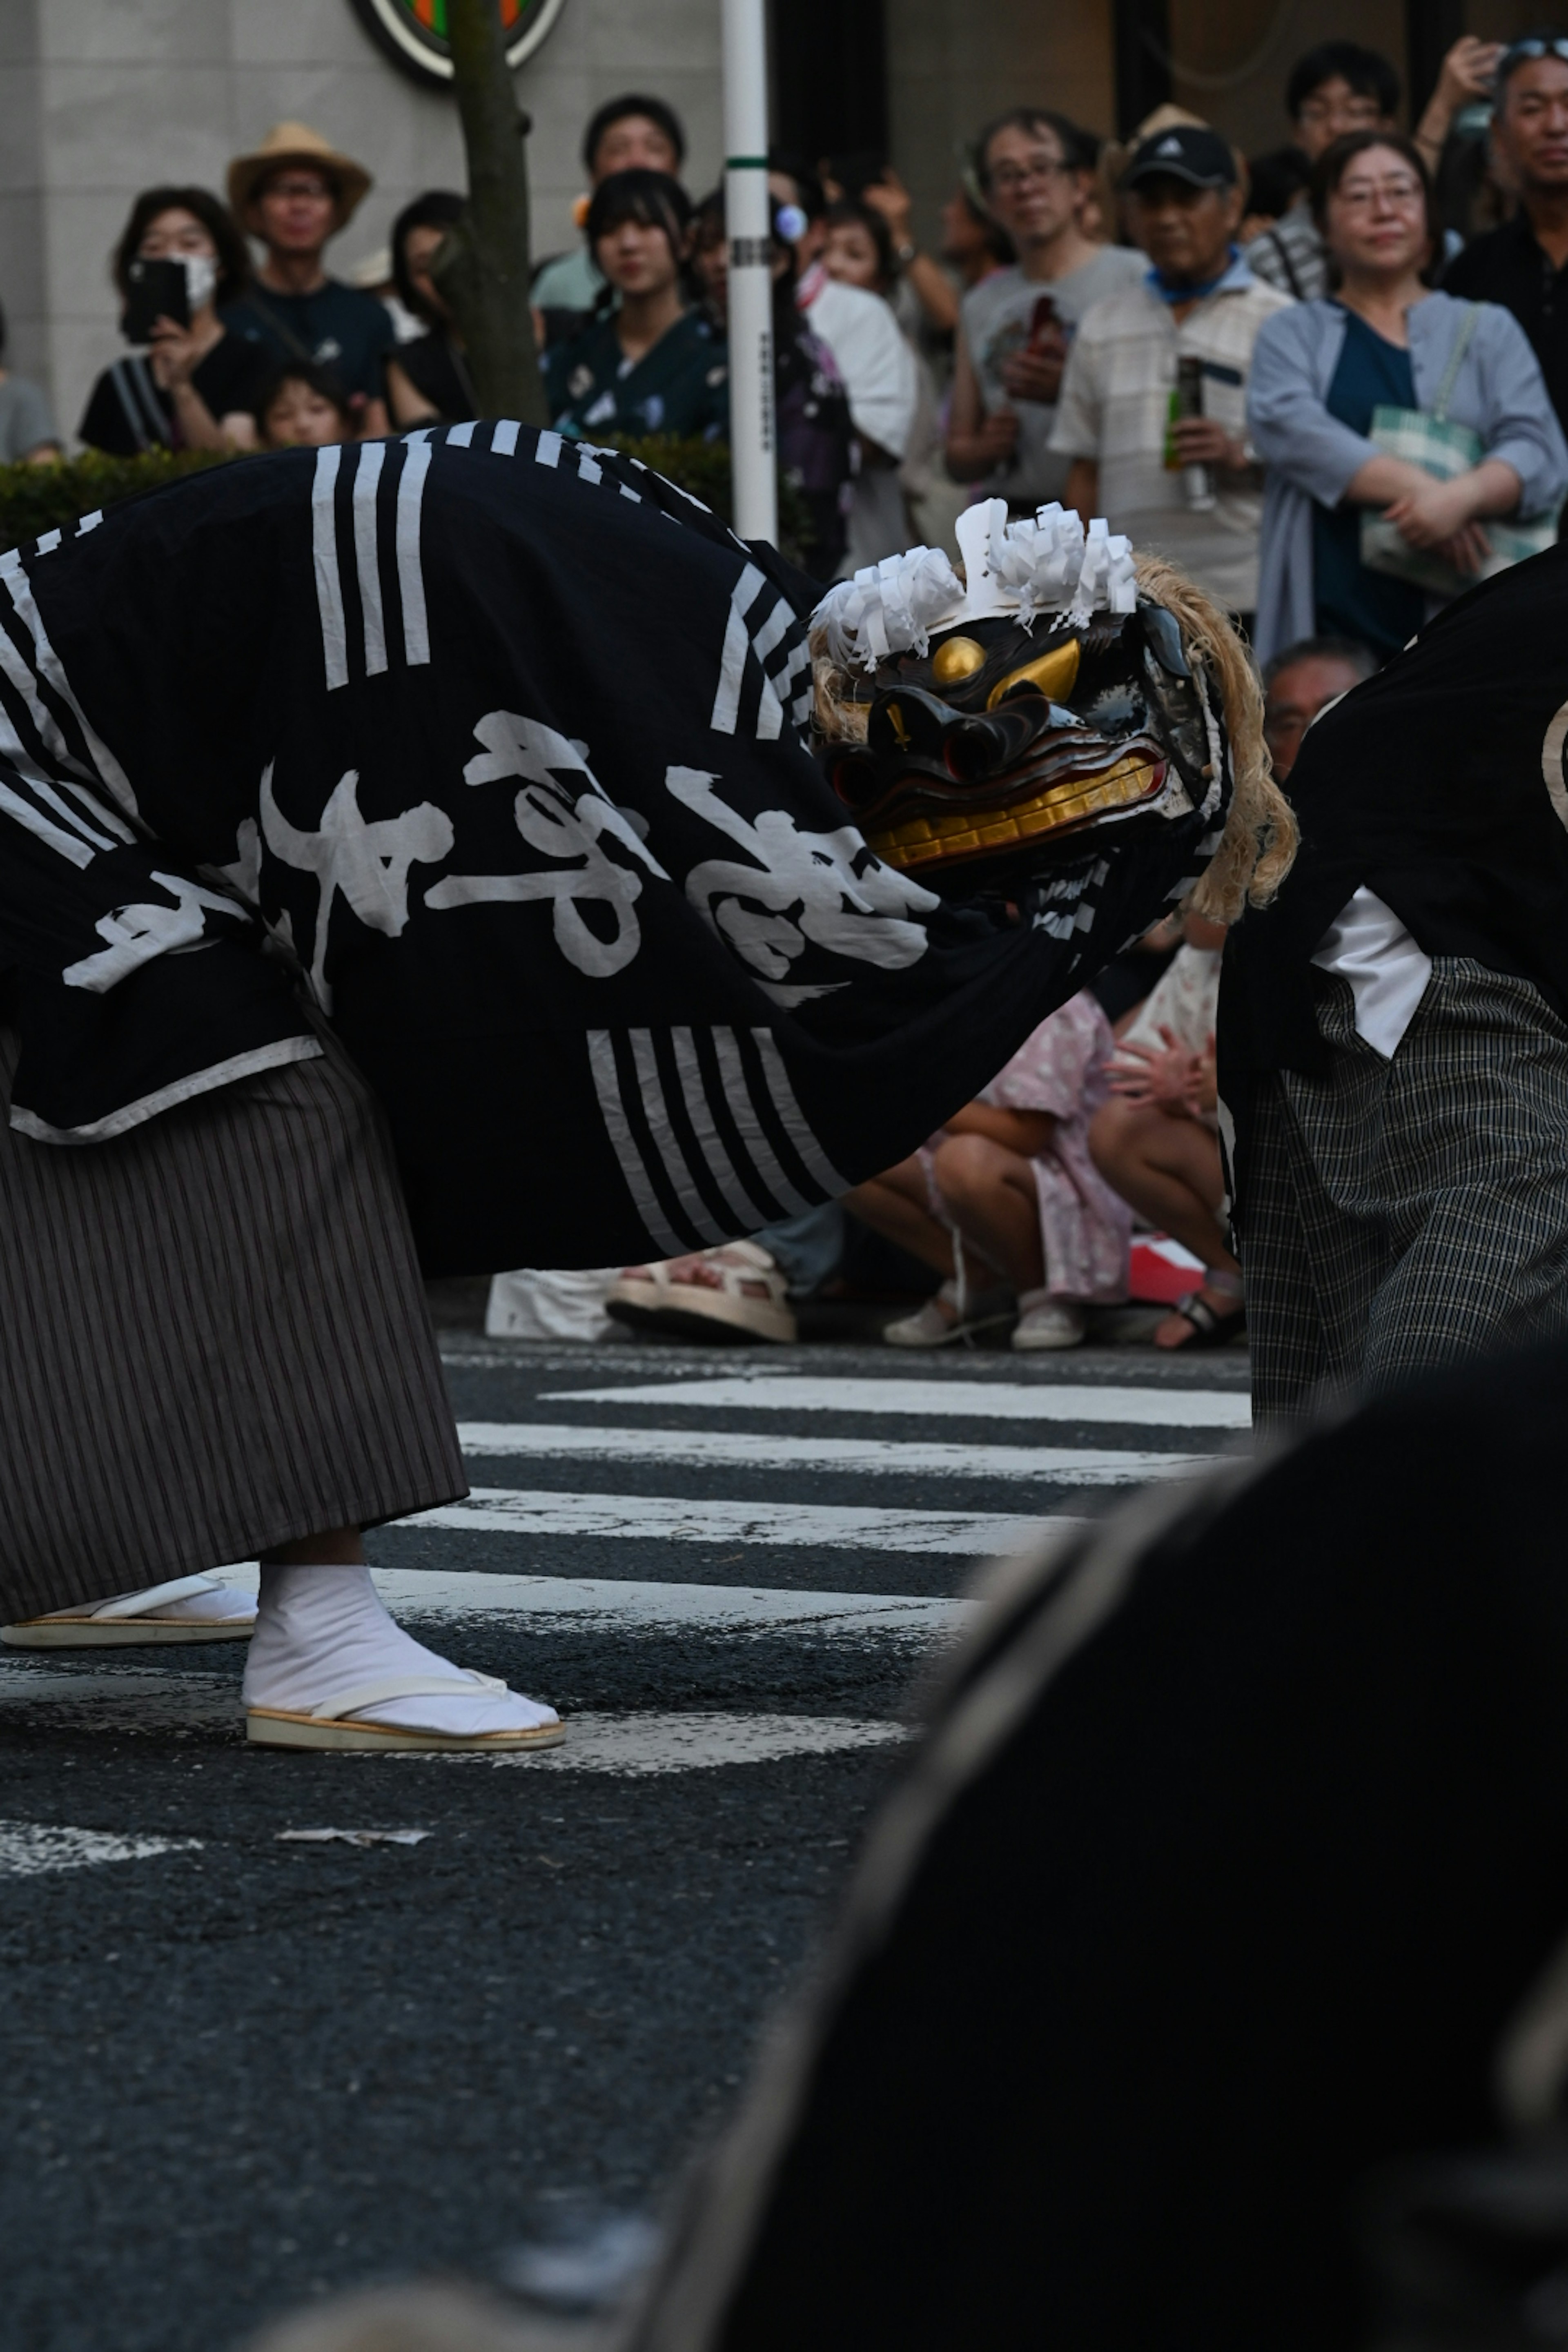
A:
(1016, 325)
(1188, 489)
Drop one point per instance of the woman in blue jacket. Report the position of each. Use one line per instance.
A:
(1384, 338)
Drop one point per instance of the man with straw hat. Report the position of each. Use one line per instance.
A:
(293, 194)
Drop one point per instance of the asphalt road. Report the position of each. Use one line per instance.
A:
(242, 2069)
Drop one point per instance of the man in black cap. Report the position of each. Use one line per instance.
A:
(1153, 402)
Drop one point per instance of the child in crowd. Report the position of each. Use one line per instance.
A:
(1005, 1202)
(303, 406)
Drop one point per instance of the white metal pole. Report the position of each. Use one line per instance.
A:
(751, 281)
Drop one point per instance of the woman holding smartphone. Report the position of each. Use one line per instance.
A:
(196, 385)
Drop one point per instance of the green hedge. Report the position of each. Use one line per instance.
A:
(35, 499)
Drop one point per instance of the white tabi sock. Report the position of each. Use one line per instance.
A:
(323, 1630)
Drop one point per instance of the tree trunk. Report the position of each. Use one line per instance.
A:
(483, 269)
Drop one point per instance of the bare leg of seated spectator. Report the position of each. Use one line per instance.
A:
(988, 1200)
(1169, 1170)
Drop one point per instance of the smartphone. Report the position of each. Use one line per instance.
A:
(157, 290)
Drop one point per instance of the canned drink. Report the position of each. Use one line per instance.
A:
(1187, 400)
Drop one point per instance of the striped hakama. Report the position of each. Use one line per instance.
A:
(215, 1339)
(1399, 1214)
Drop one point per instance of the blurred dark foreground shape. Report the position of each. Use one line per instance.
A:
(1202, 1984)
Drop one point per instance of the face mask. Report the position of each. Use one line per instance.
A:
(200, 279)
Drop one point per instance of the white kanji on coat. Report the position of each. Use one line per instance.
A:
(138, 933)
(565, 823)
(367, 860)
(830, 889)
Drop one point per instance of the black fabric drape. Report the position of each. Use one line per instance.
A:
(498, 735)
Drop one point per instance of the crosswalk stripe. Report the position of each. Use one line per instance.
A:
(28, 1848)
(703, 1449)
(619, 1604)
(510, 1511)
(635, 1746)
(955, 1399)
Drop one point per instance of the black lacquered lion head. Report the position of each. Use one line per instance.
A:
(991, 735)
(1001, 738)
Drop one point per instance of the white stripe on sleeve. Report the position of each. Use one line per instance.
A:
(410, 571)
(367, 481)
(607, 1085)
(812, 1153)
(667, 1142)
(325, 552)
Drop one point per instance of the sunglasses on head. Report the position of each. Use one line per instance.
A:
(1533, 46)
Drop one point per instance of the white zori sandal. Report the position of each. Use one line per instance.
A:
(732, 1292)
(329, 1668)
(186, 1609)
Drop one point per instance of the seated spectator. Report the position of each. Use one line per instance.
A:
(633, 134)
(295, 193)
(1523, 265)
(28, 434)
(1187, 487)
(427, 380)
(303, 406)
(811, 409)
(1006, 1203)
(650, 365)
(1036, 172)
(1321, 371)
(1335, 90)
(1155, 1142)
(196, 387)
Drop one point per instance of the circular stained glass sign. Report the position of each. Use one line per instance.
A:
(413, 32)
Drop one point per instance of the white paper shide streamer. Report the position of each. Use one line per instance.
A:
(1044, 564)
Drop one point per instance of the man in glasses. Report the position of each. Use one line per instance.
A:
(1035, 171)
(1524, 264)
(293, 194)
(1335, 88)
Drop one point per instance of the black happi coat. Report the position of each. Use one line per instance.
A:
(1440, 786)
(495, 738)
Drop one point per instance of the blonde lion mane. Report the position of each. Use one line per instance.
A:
(1259, 845)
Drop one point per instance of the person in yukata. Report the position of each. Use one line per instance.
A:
(652, 363)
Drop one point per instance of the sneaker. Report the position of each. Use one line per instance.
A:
(1045, 1322)
(937, 1325)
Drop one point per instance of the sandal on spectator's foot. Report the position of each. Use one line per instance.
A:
(930, 1326)
(340, 1721)
(1209, 1329)
(732, 1292)
(186, 1609)
(1047, 1322)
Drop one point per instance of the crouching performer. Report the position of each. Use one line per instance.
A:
(411, 859)
(1393, 1030)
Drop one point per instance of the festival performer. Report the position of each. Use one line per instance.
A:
(410, 858)
(1393, 1030)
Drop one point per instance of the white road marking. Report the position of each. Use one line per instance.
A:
(947, 1400)
(745, 1449)
(350, 1837)
(504, 1510)
(634, 1746)
(121, 1699)
(27, 1848)
(608, 1604)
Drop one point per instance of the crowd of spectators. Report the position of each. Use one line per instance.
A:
(1330, 386)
